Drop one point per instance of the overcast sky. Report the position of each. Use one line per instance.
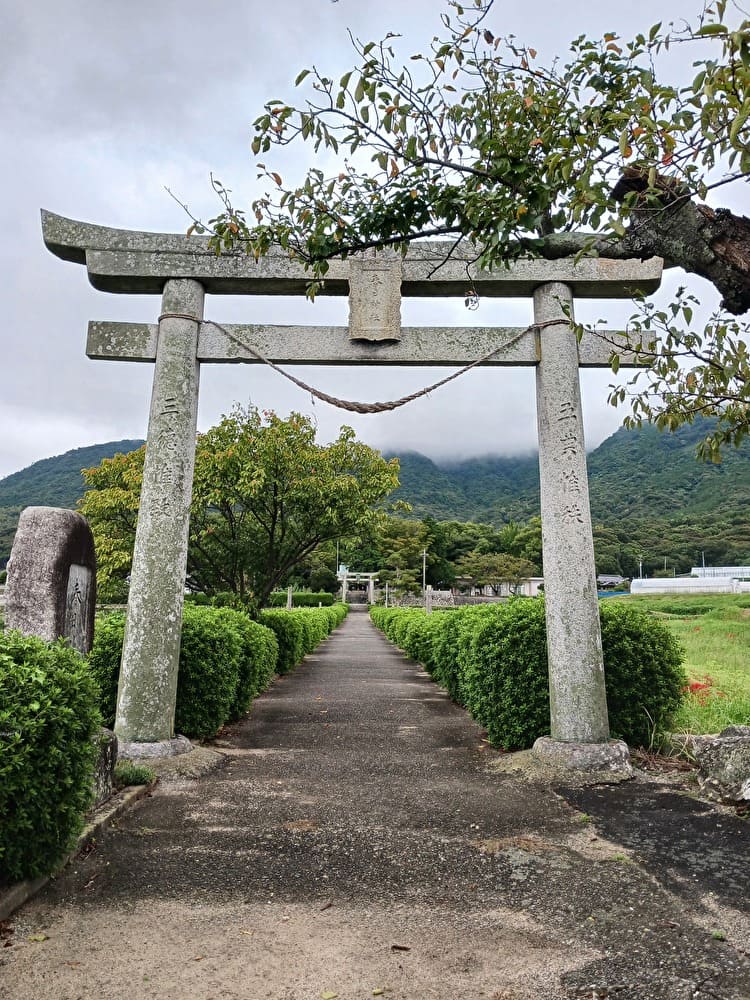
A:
(103, 104)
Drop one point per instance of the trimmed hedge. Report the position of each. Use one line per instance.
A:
(301, 599)
(209, 674)
(649, 676)
(300, 630)
(493, 660)
(104, 661)
(259, 656)
(288, 629)
(48, 718)
(225, 661)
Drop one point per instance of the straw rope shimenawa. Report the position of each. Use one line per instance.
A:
(352, 405)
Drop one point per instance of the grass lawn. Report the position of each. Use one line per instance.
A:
(714, 631)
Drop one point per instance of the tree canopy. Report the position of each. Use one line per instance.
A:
(475, 140)
(493, 569)
(265, 495)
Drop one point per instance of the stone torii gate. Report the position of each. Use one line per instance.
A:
(183, 270)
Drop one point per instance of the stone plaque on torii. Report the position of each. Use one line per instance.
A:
(183, 270)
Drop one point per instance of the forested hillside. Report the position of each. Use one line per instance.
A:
(651, 500)
(57, 482)
(51, 482)
(634, 474)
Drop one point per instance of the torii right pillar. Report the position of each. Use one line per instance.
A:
(578, 702)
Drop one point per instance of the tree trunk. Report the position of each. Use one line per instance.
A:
(712, 244)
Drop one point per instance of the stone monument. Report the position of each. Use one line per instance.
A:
(51, 587)
(51, 593)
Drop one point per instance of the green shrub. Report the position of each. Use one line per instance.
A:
(505, 681)
(226, 659)
(398, 626)
(230, 599)
(645, 677)
(257, 664)
(300, 630)
(128, 773)
(450, 640)
(199, 598)
(48, 716)
(377, 614)
(420, 635)
(210, 653)
(382, 617)
(335, 614)
(104, 661)
(342, 610)
(211, 673)
(314, 627)
(493, 660)
(510, 695)
(288, 630)
(266, 666)
(300, 599)
(331, 618)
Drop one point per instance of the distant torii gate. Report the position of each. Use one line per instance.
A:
(182, 270)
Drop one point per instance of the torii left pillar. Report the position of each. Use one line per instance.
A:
(150, 657)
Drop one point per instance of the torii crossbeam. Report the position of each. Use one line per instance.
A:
(183, 270)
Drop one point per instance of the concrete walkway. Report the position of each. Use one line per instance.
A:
(361, 839)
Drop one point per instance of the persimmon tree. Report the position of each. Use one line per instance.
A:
(265, 495)
(475, 140)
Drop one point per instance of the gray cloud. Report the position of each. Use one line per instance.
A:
(103, 103)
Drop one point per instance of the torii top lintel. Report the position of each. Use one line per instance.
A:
(127, 261)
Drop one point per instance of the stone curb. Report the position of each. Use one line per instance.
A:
(16, 895)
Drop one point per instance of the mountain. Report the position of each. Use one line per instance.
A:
(653, 505)
(489, 489)
(633, 474)
(641, 473)
(430, 489)
(57, 482)
(649, 494)
(51, 482)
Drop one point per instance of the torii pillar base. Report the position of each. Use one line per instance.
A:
(611, 758)
(131, 750)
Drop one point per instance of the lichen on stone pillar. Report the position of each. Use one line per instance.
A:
(151, 650)
(576, 671)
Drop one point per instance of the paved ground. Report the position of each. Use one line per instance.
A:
(361, 839)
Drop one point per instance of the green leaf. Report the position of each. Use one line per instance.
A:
(712, 29)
